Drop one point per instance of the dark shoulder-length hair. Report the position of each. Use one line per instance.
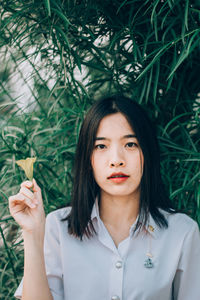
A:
(85, 189)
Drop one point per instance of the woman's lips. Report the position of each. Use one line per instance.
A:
(118, 177)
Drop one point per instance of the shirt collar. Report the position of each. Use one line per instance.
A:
(95, 210)
(151, 227)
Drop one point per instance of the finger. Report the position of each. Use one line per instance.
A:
(20, 199)
(26, 192)
(12, 199)
(36, 187)
(28, 184)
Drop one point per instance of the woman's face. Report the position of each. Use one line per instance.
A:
(117, 159)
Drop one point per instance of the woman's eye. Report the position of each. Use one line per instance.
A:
(100, 146)
(131, 145)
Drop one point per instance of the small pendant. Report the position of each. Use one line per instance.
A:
(148, 263)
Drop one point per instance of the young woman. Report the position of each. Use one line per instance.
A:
(120, 239)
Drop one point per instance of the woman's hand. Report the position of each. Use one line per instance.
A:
(27, 209)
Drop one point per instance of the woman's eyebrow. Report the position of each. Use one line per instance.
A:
(100, 138)
(127, 136)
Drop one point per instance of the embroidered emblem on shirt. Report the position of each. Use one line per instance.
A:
(151, 228)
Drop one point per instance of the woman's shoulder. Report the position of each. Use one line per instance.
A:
(58, 215)
(180, 221)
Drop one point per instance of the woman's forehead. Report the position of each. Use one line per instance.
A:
(114, 124)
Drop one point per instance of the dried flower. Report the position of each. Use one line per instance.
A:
(27, 166)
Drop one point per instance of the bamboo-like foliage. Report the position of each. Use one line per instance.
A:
(57, 57)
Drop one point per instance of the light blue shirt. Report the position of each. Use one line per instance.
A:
(95, 269)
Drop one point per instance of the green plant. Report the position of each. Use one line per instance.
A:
(59, 57)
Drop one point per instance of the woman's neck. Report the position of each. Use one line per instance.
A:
(118, 211)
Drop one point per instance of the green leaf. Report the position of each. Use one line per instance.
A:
(61, 16)
(143, 90)
(175, 119)
(155, 86)
(155, 59)
(63, 35)
(48, 7)
(186, 51)
(186, 14)
(149, 84)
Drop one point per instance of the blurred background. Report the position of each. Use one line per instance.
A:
(59, 56)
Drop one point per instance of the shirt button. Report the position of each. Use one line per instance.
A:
(115, 298)
(118, 264)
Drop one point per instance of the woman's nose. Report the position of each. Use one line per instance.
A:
(116, 164)
(116, 159)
